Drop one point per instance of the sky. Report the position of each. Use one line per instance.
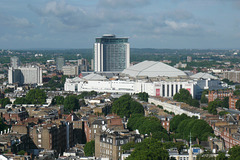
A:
(173, 24)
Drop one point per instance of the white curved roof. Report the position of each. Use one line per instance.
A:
(153, 69)
(202, 75)
(94, 77)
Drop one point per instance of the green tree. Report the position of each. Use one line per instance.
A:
(22, 152)
(71, 102)
(3, 126)
(184, 125)
(236, 93)
(89, 149)
(184, 96)
(221, 156)
(125, 106)
(238, 104)
(36, 96)
(174, 123)
(225, 102)
(21, 100)
(149, 149)
(128, 146)
(143, 96)
(234, 153)
(4, 102)
(212, 106)
(58, 100)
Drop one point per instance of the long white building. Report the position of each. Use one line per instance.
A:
(163, 88)
(140, 78)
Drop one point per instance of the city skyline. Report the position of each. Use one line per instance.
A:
(148, 23)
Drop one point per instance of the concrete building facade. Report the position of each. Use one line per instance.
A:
(25, 75)
(71, 70)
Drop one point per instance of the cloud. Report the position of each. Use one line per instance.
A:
(12, 21)
(123, 3)
(66, 16)
(181, 25)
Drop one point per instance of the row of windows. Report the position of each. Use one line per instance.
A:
(168, 90)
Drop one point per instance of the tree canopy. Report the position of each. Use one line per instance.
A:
(143, 96)
(182, 126)
(212, 106)
(238, 104)
(3, 126)
(125, 106)
(4, 102)
(184, 96)
(36, 96)
(89, 149)
(147, 125)
(58, 100)
(71, 102)
(234, 153)
(149, 149)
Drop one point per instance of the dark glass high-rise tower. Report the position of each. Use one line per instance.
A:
(111, 53)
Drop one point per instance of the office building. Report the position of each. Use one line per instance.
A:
(25, 75)
(60, 62)
(71, 70)
(15, 62)
(111, 53)
(83, 64)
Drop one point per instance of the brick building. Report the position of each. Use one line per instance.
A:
(16, 115)
(219, 94)
(232, 101)
(94, 124)
(227, 128)
(57, 137)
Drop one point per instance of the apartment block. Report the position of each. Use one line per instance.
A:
(232, 75)
(219, 94)
(232, 101)
(108, 143)
(57, 137)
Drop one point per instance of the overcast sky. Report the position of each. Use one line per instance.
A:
(148, 23)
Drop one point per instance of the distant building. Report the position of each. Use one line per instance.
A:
(15, 62)
(60, 62)
(189, 59)
(71, 70)
(83, 64)
(111, 53)
(232, 75)
(180, 65)
(25, 75)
